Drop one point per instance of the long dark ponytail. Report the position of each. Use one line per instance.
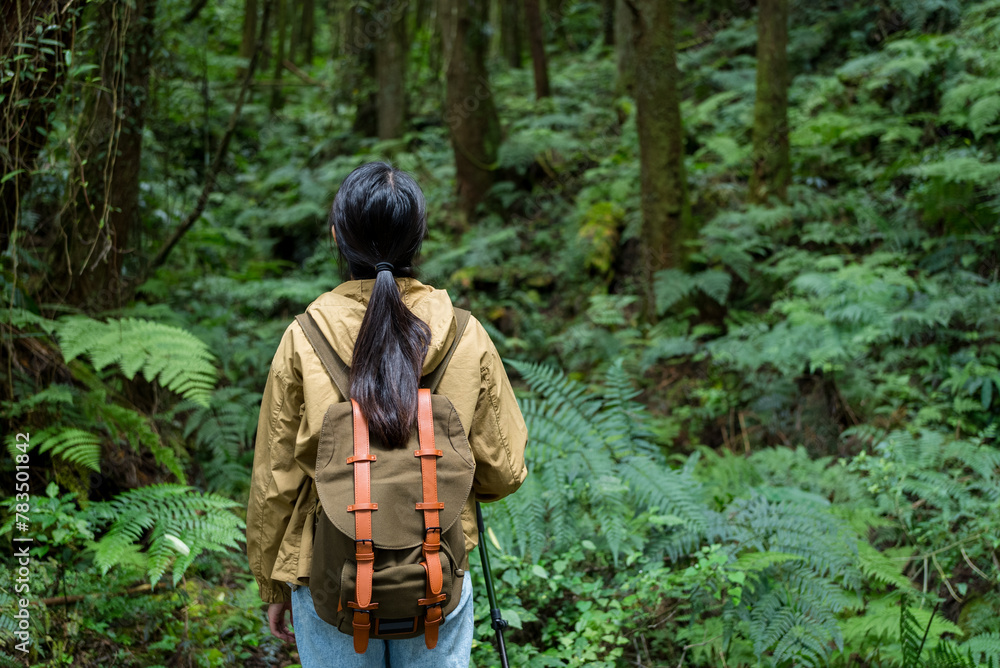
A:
(379, 216)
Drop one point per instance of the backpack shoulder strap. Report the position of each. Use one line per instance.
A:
(434, 377)
(334, 365)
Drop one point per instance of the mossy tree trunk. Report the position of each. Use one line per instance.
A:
(536, 41)
(772, 170)
(100, 230)
(390, 68)
(666, 219)
(470, 112)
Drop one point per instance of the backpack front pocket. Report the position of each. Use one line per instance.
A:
(399, 585)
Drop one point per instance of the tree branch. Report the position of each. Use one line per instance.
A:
(220, 154)
(192, 13)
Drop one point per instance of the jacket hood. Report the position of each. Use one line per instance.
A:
(339, 313)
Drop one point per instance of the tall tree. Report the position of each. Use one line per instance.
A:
(249, 40)
(608, 22)
(510, 33)
(282, 10)
(305, 35)
(358, 82)
(771, 164)
(624, 37)
(28, 96)
(470, 112)
(666, 220)
(97, 235)
(390, 67)
(536, 41)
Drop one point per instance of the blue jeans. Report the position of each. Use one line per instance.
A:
(322, 645)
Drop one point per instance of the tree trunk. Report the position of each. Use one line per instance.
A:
(469, 109)
(536, 40)
(23, 128)
(665, 211)
(608, 22)
(304, 42)
(97, 239)
(359, 83)
(771, 165)
(249, 41)
(390, 67)
(510, 32)
(282, 11)
(624, 35)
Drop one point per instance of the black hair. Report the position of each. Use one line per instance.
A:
(379, 215)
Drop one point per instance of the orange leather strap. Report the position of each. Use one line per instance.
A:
(364, 548)
(431, 508)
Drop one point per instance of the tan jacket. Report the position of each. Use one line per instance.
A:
(283, 497)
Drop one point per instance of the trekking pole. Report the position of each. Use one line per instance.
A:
(498, 622)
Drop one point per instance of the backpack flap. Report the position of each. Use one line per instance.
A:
(396, 484)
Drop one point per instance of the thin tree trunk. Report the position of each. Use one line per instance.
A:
(510, 32)
(390, 67)
(771, 164)
(249, 41)
(359, 84)
(99, 236)
(608, 22)
(469, 108)
(28, 101)
(536, 41)
(304, 42)
(665, 211)
(281, 11)
(624, 30)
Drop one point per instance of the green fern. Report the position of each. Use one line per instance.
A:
(223, 434)
(175, 522)
(69, 443)
(985, 649)
(596, 467)
(171, 356)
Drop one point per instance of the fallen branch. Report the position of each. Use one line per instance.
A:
(75, 598)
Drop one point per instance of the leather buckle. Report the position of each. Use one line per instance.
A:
(364, 552)
(432, 539)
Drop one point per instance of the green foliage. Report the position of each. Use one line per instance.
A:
(793, 466)
(594, 468)
(180, 522)
(169, 355)
(74, 445)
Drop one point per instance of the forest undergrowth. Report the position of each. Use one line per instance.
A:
(797, 464)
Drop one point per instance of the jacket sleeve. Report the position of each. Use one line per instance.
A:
(498, 436)
(276, 477)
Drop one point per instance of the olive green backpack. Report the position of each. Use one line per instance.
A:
(389, 550)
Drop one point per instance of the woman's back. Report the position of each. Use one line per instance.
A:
(391, 330)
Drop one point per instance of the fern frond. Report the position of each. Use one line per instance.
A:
(74, 445)
(165, 516)
(171, 356)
